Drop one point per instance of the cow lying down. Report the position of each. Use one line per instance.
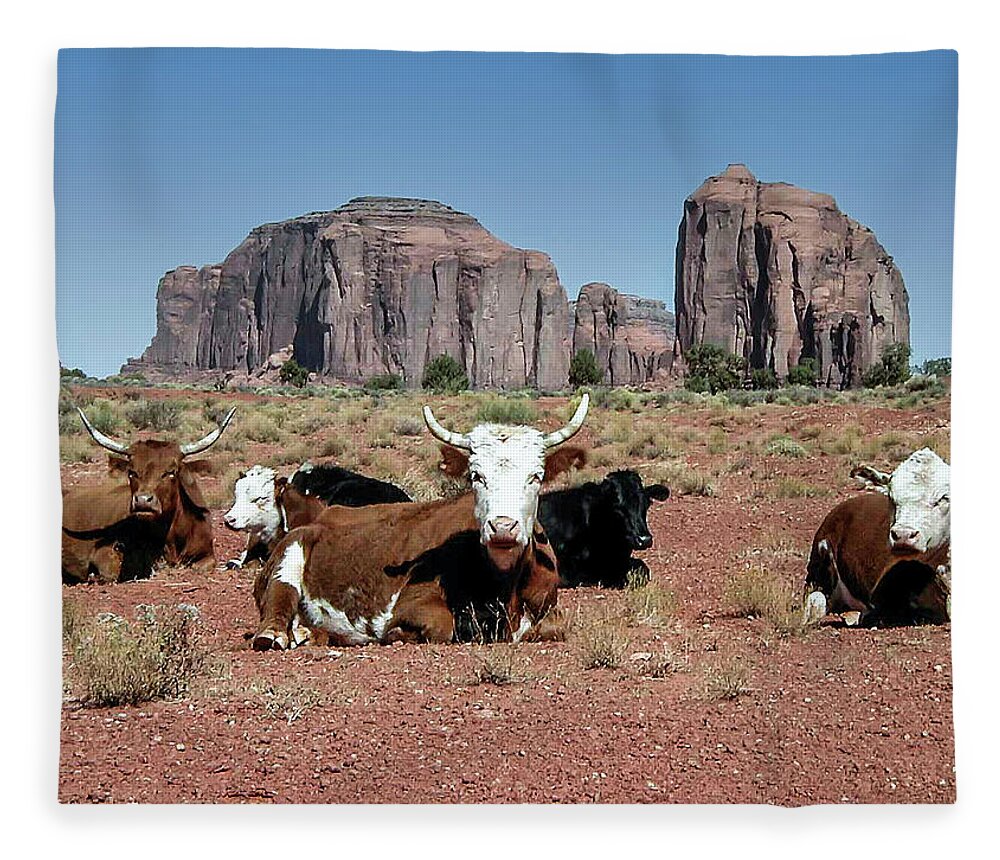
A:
(474, 567)
(267, 507)
(594, 528)
(151, 508)
(885, 558)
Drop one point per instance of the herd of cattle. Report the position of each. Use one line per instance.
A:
(347, 559)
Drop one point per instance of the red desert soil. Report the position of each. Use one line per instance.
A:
(836, 715)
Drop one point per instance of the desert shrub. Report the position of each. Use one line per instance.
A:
(154, 414)
(261, 428)
(444, 375)
(408, 425)
(103, 415)
(757, 592)
(71, 373)
(120, 662)
(650, 605)
(785, 446)
(503, 411)
(385, 382)
(602, 641)
(583, 369)
(712, 369)
(725, 680)
(804, 373)
(793, 488)
(499, 665)
(893, 367)
(284, 700)
(763, 379)
(293, 373)
(663, 663)
(936, 367)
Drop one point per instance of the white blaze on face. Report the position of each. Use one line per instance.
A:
(506, 467)
(254, 509)
(920, 489)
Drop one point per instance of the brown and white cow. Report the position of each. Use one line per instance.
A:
(429, 572)
(884, 558)
(151, 508)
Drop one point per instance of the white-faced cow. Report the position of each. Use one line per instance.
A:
(405, 571)
(151, 509)
(885, 558)
(267, 506)
(594, 528)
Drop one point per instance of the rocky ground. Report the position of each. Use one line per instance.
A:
(704, 705)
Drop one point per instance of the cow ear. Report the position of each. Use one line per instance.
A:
(872, 477)
(199, 467)
(563, 459)
(657, 492)
(454, 462)
(190, 488)
(117, 464)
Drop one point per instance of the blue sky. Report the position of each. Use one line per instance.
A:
(166, 157)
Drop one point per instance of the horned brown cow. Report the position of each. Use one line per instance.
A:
(407, 571)
(151, 508)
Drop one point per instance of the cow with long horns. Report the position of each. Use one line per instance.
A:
(151, 509)
(414, 571)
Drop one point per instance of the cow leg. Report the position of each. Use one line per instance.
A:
(279, 600)
(421, 614)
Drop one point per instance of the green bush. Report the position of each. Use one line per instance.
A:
(154, 414)
(444, 375)
(583, 369)
(506, 412)
(892, 369)
(936, 367)
(712, 369)
(71, 373)
(103, 416)
(804, 373)
(293, 373)
(763, 379)
(385, 382)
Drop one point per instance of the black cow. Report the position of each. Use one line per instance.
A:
(594, 528)
(339, 486)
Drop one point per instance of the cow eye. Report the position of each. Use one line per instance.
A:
(943, 500)
(476, 477)
(537, 478)
(170, 474)
(132, 476)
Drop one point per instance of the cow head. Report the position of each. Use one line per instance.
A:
(920, 489)
(255, 507)
(627, 500)
(507, 466)
(158, 473)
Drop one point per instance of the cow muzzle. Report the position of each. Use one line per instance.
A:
(146, 506)
(904, 539)
(503, 533)
(642, 542)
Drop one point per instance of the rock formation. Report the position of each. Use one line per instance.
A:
(380, 285)
(776, 273)
(632, 338)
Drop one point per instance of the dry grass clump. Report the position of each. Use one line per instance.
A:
(121, 662)
(757, 592)
(499, 665)
(261, 428)
(408, 425)
(162, 415)
(726, 680)
(663, 663)
(288, 701)
(788, 487)
(682, 479)
(847, 442)
(651, 605)
(601, 640)
(76, 449)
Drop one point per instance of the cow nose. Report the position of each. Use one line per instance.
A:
(645, 541)
(903, 534)
(505, 528)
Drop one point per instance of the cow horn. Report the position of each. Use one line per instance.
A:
(209, 440)
(456, 440)
(571, 429)
(100, 438)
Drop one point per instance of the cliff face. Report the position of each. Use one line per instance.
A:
(380, 285)
(776, 273)
(632, 338)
